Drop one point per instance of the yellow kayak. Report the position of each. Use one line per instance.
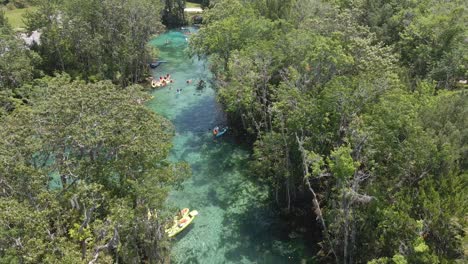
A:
(181, 224)
(181, 214)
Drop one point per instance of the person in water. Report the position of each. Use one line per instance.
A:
(201, 85)
(215, 131)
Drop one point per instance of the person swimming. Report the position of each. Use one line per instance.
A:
(201, 84)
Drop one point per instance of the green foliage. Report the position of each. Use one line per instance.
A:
(342, 164)
(95, 40)
(17, 67)
(173, 13)
(223, 34)
(352, 104)
(346, 96)
(432, 44)
(428, 35)
(17, 63)
(107, 153)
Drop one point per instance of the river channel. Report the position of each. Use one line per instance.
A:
(236, 223)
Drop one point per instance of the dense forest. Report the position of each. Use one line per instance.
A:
(83, 162)
(356, 110)
(358, 107)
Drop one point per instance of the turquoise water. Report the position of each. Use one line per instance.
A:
(235, 223)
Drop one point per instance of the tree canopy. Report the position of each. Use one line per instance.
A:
(81, 170)
(356, 107)
(97, 40)
(356, 110)
(83, 162)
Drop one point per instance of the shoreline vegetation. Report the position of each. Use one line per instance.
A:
(358, 113)
(79, 85)
(16, 15)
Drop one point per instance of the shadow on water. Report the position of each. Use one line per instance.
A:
(184, 232)
(199, 118)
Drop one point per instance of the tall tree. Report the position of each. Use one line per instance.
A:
(173, 13)
(88, 163)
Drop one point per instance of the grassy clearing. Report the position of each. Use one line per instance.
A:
(15, 17)
(190, 4)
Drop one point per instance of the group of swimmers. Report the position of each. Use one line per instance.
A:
(163, 81)
(166, 79)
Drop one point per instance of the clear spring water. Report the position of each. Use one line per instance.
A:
(235, 222)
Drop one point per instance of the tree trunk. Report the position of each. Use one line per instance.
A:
(83, 249)
(288, 196)
(345, 207)
(315, 202)
(287, 161)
